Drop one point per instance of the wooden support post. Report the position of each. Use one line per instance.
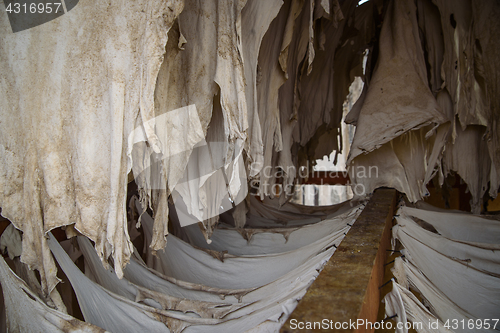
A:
(347, 289)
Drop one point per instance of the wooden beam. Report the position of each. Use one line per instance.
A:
(347, 289)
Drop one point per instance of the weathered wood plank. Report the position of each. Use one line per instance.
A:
(348, 287)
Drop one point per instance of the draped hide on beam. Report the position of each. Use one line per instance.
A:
(200, 99)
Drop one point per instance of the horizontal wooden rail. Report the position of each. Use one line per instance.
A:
(347, 289)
